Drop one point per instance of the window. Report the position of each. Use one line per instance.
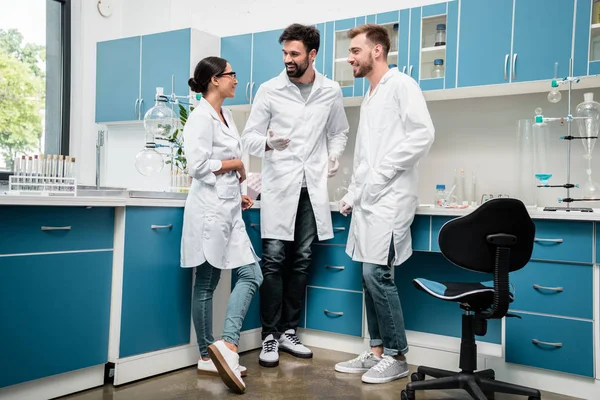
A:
(35, 63)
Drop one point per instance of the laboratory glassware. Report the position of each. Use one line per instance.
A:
(440, 35)
(541, 168)
(438, 68)
(525, 163)
(342, 190)
(589, 126)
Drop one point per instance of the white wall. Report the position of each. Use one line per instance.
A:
(478, 135)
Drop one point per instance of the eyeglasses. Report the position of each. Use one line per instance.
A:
(232, 74)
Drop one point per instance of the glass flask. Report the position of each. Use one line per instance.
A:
(541, 168)
(589, 126)
(160, 120)
(149, 162)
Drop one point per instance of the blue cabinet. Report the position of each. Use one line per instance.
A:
(156, 305)
(166, 64)
(539, 43)
(129, 70)
(55, 310)
(334, 311)
(581, 50)
(238, 51)
(485, 42)
(267, 58)
(118, 79)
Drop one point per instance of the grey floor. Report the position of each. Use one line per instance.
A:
(294, 379)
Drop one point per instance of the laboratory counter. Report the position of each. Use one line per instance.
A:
(111, 264)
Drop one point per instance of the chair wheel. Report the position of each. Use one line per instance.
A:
(406, 396)
(534, 398)
(417, 376)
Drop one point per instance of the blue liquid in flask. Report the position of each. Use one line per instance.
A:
(543, 178)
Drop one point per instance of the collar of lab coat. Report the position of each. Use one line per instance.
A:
(226, 114)
(386, 77)
(283, 81)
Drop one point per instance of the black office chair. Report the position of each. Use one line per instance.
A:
(495, 238)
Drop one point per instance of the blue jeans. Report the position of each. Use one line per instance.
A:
(207, 278)
(384, 311)
(285, 269)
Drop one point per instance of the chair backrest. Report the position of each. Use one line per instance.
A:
(463, 241)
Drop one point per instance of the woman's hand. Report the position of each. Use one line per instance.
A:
(247, 202)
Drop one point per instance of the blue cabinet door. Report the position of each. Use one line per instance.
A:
(485, 42)
(581, 43)
(420, 232)
(404, 41)
(117, 79)
(538, 43)
(165, 56)
(238, 51)
(267, 59)
(415, 43)
(55, 312)
(320, 59)
(156, 304)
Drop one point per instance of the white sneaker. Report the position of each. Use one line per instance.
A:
(387, 370)
(269, 355)
(207, 367)
(228, 365)
(364, 362)
(290, 343)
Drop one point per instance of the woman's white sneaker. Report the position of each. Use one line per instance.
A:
(387, 370)
(228, 364)
(207, 367)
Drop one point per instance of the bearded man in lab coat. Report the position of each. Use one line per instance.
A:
(299, 127)
(394, 132)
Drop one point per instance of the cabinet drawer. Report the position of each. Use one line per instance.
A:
(331, 267)
(554, 288)
(153, 280)
(28, 229)
(341, 225)
(436, 226)
(558, 344)
(420, 232)
(334, 311)
(563, 241)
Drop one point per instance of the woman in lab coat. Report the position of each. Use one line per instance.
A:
(214, 235)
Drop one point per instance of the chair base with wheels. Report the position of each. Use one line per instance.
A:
(496, 238)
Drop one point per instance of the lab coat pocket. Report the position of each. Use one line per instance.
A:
(375, 187)
(383, 118)
(228, 191)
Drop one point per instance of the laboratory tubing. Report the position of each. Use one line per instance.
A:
(440, 35)
(438, 68)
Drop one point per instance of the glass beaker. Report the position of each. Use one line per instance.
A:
(526, 191)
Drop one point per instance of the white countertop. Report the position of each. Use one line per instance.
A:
(122, 201)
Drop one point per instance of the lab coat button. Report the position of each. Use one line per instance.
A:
(207, 236)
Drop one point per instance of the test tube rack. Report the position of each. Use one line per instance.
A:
(31, 185)
(569, 119)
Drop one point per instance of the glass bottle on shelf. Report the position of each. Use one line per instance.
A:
(438, 68)
(440, 35)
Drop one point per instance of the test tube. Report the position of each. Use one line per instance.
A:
(29, 172)
(61, 172)
(34, 173)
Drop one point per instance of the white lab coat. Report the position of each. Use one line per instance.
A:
(317, 128)
(395, 131)
(213, 229)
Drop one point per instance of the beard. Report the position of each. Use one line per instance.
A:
(364, 69)
(299, 69)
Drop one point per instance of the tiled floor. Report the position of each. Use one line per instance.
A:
(294, 379)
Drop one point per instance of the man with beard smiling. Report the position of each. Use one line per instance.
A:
(394, 132)
(299, 127)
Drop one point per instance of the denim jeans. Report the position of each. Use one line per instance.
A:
(207, 278)
(285, 271)
(384, 311)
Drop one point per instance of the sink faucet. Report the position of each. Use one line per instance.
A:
(99, 144)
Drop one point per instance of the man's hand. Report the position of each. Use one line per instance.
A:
(345, 208)
(278, 143)
(334, 165)
(247, 202)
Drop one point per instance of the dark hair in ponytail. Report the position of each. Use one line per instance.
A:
(204, 71)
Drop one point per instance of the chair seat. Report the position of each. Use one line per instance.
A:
(477, 295)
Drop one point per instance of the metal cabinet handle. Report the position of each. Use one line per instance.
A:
(333, 313)
(161, 226)
(506, 67)
(404, 69)
(254, 225)
(339, 228)
(140, 109)
(137, 101)
(535, 341)
(554, 289)
(548, 240)
(247, 86)
(514, 66)
(251, 91)
(56, 228)
(335, 267)
(410, 70)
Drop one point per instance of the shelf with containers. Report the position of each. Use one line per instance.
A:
(594, 34)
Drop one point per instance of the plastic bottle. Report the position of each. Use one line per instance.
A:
(440, 35)
(438, 68)
(440, 196)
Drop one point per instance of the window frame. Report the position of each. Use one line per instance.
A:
(65, 103)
